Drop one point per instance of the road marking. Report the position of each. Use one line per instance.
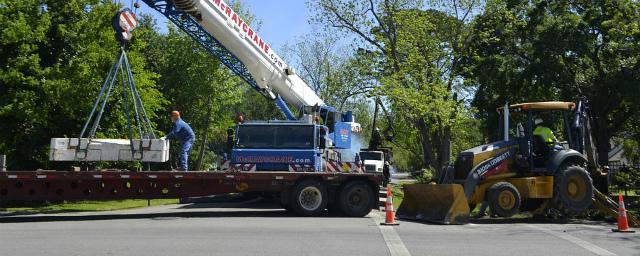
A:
(391, 238)
(582, 243)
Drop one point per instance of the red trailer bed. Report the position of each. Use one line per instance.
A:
(306, 193)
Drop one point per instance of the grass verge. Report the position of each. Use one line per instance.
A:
(83, 206)
(629, 192)
(398, 194)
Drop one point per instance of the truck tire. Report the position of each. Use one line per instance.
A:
(504, 199)
(356, 199)
(572, 190)
(309, 198)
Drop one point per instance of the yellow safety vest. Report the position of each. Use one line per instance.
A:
(546, 133)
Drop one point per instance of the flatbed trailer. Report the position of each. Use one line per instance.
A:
(306, 193)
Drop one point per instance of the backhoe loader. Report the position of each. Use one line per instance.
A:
(523, 173)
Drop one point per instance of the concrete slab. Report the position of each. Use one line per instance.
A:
(110, 150)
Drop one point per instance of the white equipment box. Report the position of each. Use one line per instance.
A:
(110, 150)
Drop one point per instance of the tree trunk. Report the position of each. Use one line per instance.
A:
(204, 135)
(446, 148)
(436, 145)
(428, 154)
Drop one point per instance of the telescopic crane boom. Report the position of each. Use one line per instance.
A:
(217, 27)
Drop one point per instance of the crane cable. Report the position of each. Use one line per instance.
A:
(140, 118)
(129, 92)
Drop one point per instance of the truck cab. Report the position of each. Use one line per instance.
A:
(373, 161)
(280, 146)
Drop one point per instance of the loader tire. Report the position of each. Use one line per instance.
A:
(309, 198)
(572, 190)
(356, 199)
(504, 199)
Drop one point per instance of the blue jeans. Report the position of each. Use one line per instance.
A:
(184, 154)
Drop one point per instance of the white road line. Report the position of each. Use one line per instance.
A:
(582, 243)
(391, 238)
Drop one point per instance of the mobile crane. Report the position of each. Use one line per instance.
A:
(298, 143)
(297, 160)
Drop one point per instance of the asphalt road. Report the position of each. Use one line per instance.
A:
(259, 228)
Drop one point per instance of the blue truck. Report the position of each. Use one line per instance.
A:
(297, 146)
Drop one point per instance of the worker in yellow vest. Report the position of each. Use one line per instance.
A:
(546, 133)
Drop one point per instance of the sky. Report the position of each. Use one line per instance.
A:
(282, 20)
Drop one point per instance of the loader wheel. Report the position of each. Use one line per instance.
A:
(572, 191)
(504, 199)
(356, 199)
(309, 198)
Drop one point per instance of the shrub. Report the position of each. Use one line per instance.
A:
(424, 176)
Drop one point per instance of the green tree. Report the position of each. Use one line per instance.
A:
(560, 50)
(55, 55)
(415, 53)
(331, 71)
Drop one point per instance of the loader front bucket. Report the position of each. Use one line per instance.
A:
(444, 204)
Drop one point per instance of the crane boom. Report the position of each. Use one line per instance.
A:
(217, 27)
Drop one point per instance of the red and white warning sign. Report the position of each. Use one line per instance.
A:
(128, 20)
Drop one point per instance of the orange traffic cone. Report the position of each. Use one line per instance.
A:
(388, 208)
(623, 223)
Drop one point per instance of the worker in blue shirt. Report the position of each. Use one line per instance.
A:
(184, 133)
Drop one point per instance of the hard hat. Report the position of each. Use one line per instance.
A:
(386, 162)
(175, 113)
(538, 121)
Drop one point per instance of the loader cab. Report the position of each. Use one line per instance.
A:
(519, 120)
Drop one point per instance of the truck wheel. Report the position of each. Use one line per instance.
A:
(504, 199)
(572, 190)
(356, 199)
(309, 198)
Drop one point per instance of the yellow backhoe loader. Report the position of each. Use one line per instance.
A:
(520, 173)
